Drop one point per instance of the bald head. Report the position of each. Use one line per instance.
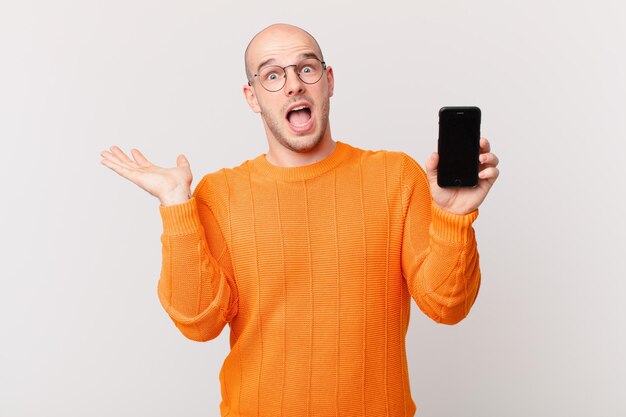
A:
(271, 37)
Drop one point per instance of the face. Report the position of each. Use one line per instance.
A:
(296, 117)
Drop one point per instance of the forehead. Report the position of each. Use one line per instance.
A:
(280, 47)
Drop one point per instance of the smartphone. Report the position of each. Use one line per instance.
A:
(458, 146)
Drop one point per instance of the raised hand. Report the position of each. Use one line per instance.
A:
(169, 185)
(464, 200)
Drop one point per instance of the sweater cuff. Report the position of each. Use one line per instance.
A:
(452, 227)
(180, 219)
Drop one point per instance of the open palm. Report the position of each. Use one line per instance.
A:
(169, 185)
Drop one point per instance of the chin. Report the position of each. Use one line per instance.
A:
(301, 144)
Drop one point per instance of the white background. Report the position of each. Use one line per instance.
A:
(83, 333)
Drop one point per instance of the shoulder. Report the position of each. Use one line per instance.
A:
(394, 161)
(216, 185)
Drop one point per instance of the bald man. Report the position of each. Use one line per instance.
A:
(312, 252)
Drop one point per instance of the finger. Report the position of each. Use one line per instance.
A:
(182, 161)
(111, 157)
(432, 162)
(485, 146)
(118, 168)
(121, 155)
(489, 159)
(431, 165)
(141, 160)
(490, 173)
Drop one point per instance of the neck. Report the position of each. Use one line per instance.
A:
(282, 156)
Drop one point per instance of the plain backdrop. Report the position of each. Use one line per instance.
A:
(83, 333)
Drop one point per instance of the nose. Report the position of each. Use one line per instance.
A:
(293, 84)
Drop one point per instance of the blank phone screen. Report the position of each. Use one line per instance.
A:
(459, 135)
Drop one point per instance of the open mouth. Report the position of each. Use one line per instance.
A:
(300, 117)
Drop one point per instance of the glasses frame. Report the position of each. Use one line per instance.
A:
(285, 74)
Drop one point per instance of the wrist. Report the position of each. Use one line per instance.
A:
(177, 196)
(453, 210)
(452, 226)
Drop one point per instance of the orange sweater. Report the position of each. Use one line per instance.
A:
(313, 268)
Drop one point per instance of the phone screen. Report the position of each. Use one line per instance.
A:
(458, 147)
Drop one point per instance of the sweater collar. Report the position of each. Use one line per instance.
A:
(263, 167)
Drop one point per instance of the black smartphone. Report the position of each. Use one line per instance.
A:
(458, 146)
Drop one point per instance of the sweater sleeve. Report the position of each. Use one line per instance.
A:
(439, 254)
(196, 287)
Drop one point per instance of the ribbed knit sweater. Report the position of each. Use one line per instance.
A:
(313, 268)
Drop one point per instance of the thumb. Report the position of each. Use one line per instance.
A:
(431, 167)
(181, 161)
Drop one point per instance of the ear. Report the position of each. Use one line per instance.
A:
(331, 80)
(248, 92)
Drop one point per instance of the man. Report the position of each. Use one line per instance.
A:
(312, 252)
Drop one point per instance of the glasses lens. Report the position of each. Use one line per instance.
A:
(272, 78)
(310, 71)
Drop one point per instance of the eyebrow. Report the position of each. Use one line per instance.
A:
(300, 57)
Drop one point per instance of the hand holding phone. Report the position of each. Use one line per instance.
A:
(458, 146)
(461, 174)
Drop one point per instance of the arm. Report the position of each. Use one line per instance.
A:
(439, 253)
(196, 287)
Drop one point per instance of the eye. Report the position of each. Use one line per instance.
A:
(306, 70)
(271, 74)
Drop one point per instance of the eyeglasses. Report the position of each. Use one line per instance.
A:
(273, 77)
